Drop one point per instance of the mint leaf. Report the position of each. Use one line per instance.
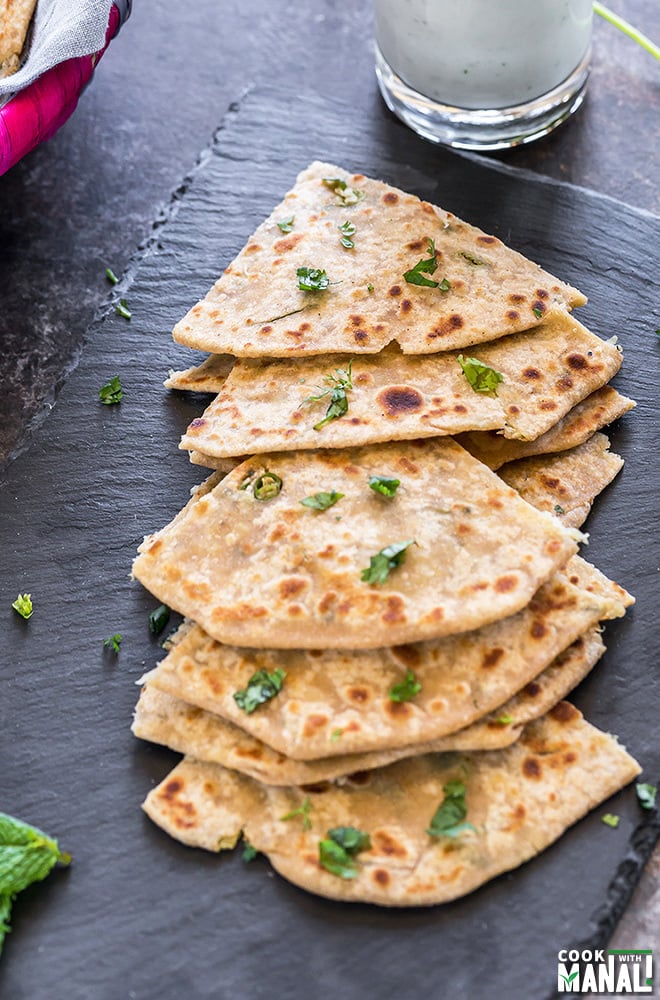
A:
(427, 265)
(261, 687)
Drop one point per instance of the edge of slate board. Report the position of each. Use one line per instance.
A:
(46, 454)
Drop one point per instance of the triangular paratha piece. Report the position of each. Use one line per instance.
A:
(258, 309)
(453, 549)
(517, 802)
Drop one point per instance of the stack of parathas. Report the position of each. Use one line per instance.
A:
(381, 627)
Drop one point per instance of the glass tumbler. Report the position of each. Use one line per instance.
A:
(483, 74)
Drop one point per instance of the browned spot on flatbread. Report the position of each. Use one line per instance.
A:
(288, 243)
(385, 843)
(570, 757)
(406, 305)
(327, 552)
(360, 336)
(505, 584)
(532, 768)
(398, 710)
(491, 657)
(395, 290)
(416, 245)
(538, 630)
(550, 481)
(327, 601)
(531, 373)
(409, 466)
(395, 610)
(547, 404)
(460, 408)
(577, 362)
(398, 399)
(564, 383)
(390, 198)
(538, 307)
(533, 690)
(253, 753)
(517, 298)
(215, 685)
(408, 655)
(357, 320)
(252, 248)
(552, 546)
(266, 329)
(171, 789)
(447, 325)
(313, 723)
(358, 694)
(380, 876)
(564, 712)
(487, 239)
(197, 422)
(513, 314)
(542, 294)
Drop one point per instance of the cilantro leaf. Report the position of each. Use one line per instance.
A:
(338, 385)
(537, 312)
(337, 852)
(558, 509)
(111, 392)
(345, 195)
(249, 852)
(286, 225)
(113, 642)
(370, 289)
(27, 855)
(427, 265)
(267, 486)
(448, 818)
(610, 819)
(261, 687)
(302, 811)
(121, 308)
(322, 501)
(505, 719)
(23, 605)
(111, 276)
(381, 565)
(481, 376)
(381, 484)
(312, 279)
(646, 795)
(158, 619)
(407, 689)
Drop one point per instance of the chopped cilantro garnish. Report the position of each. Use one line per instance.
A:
(267, 486)
(111, 276)
(322, 501)
(471, 258)
(158, 619)
(481, 377)
(337, 852)
(345, 194)
(610, 819)
(381, 565)
(111, 392)
(23, 605)
(646, 795)
(537, 312)
(381, 484)
(338, 385)
(27, 855)
(370, 289)
(336, 734)
(558, 509)
(286, 225)
(505, 719)
(427, 265)
(113, 642)
(448, 818)
(302, 811)
(249, 852)
(312, 279)
(122, 309)
(347, 229)
(261, 687)
(445, 285)
(407, 689)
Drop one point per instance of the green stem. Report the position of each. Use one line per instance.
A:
(627, 29)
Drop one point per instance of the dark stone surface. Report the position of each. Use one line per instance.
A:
(140, 916)
(85, 199)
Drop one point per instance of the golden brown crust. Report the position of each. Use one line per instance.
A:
(15, 17)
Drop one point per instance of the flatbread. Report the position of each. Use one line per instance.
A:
(567, 483)
(15, 17)
(162, 718)
(519, 800)
(266, 405)
(256, 309)
(596, 411)
(276, 573)
(335, 702)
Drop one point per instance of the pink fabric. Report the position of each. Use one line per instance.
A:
(36, 113)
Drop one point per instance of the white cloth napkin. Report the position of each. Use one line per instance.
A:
(61, 29)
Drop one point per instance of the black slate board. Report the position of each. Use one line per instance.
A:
(138, 916)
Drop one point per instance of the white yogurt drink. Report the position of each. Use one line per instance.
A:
(509, 68)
